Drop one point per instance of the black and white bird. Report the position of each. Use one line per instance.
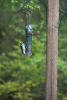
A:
(23, 49)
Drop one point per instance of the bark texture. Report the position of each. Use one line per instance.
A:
(52, 49)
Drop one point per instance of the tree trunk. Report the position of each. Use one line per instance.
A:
(52, 49)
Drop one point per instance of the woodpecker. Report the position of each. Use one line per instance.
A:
(23, 49)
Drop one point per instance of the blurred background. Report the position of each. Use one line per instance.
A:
(23, 77)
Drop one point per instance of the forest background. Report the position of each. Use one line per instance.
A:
(23, 77)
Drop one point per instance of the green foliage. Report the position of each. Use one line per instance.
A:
(25, 4)
(22, 75)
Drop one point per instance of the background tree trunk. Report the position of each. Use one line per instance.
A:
(52, 49)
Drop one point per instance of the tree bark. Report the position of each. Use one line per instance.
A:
(52, 49)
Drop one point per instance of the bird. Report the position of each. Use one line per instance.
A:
(23, 49)
(28, 29)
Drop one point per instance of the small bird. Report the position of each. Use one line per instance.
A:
(28, 29)
(23, 49)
